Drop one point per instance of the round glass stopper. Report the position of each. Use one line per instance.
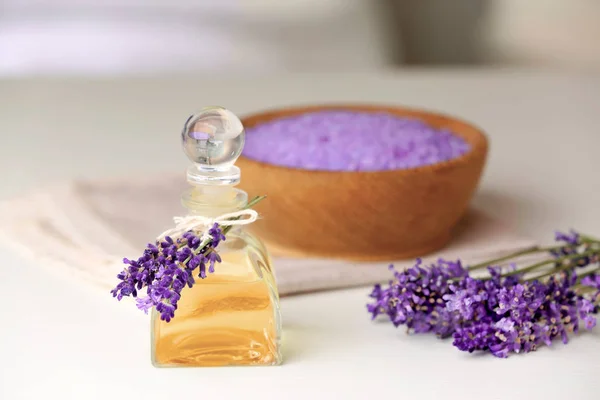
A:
(213, 138)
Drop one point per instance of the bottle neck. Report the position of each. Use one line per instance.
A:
(212, 201)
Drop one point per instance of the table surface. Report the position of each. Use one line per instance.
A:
(57, 339)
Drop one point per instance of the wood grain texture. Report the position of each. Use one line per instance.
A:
(364, 215)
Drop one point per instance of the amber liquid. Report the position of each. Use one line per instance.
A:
(229, 318)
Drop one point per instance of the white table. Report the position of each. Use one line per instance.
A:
(61, 341)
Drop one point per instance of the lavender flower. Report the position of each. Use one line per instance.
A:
(519, 301)
(592, 281)
(216, 234)
(503, 313)
(475, 337)
(166, 268)
(573, 244)
(586, 309)
(572, 237)
(415, 297)
(213, 257)
(531, 314)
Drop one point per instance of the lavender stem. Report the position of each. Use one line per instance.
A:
(529, 250)
(551, 261)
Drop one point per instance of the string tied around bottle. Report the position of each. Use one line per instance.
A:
(193, 222)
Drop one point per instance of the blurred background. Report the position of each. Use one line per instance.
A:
(119, 37)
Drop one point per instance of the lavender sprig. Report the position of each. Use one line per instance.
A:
(168, 266)
(505, 312)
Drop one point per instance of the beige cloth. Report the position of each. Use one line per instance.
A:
(85, 228)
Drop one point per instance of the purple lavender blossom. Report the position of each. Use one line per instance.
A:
(213, 257)
(573, 244)
(592, 281)
(216, 235)
(166, 268)
(532, 314)
(479, 336)
(415, 297)
(572, 237)
(519, 301)
(505, 325)
(502, 314)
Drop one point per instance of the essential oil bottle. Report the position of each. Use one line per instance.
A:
(232, 317)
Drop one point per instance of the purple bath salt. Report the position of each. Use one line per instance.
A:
(351, 141)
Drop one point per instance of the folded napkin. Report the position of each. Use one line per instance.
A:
(85, 228)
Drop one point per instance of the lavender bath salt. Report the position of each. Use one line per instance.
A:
(351, 141)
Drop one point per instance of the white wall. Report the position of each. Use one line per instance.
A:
(564, 33)
(145, 36)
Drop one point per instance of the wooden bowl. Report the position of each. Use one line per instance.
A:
(381, 215)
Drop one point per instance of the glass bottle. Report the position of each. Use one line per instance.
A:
(232, 317)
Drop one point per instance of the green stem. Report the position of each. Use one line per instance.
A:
(255, 200)
(562, 268)
(252, 202)
(584, 240)
(580, 289)
(551, 261)
(588, 239)
(529, 250)
(550, 273)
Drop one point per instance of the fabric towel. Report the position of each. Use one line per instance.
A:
(85, 228)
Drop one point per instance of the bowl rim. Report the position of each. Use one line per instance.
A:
(479, 142)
